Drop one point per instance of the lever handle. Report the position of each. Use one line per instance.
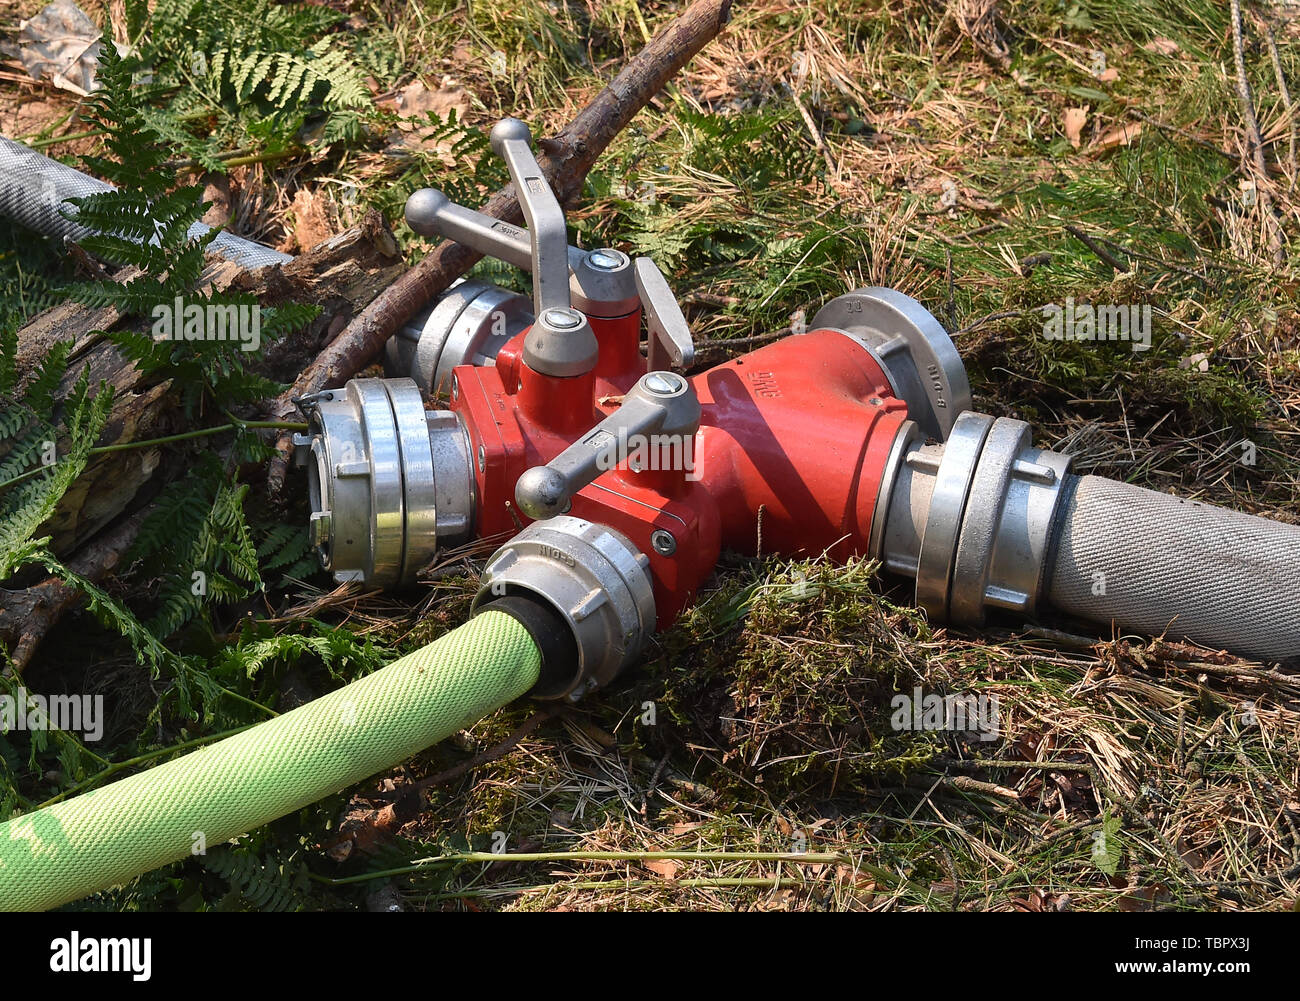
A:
(431, 213)
(561, 342)
(668, 337)
(602, 282)
(549, 246)
(662, 403)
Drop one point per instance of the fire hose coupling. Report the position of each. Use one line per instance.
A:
(389, 483)
(970, 519)
(911, 347)
(466, 325)
(597, 582)
(986, 521)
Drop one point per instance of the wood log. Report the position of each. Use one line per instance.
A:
(98, 518)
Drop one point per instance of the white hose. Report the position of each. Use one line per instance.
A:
(34, 187)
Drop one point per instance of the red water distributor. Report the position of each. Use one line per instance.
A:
(614, 480)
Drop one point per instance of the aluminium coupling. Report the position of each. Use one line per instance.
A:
(389, 483)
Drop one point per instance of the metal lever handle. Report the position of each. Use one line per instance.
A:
(570, 346)
(549, 246)
(661, 403)
(602, 283)
(431, 213)
(668, 338)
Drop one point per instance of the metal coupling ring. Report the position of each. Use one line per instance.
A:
(388, 483)
(596, 579)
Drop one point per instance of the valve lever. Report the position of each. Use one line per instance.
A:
(668, 337)
(431, 213)
(661, 403)
(549, 248)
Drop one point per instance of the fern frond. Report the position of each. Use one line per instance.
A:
(28, 508)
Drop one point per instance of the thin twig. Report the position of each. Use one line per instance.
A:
(1115, 261)
(1287, 107)
(1254, 141)
(504, 858)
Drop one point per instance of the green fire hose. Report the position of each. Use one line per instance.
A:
(112, 834)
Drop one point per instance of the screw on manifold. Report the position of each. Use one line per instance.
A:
(663, 542)
(664, 383)
(606, 259)
(561, 318)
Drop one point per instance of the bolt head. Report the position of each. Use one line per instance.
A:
(663, 542)
(607, 259)
(664, 383)
(559, 318)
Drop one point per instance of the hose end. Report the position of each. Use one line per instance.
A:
(594, 581)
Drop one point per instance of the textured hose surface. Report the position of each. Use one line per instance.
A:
(1152, 561)
(32, 187)
(111, 834)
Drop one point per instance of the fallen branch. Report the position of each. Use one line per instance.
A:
(565, 161)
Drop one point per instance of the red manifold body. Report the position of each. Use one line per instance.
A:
(793, 443)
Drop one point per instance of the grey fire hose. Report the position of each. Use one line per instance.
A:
(34, 187)
(1154, 562)
(985, 521)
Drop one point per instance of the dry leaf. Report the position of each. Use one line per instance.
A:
(1075, 120)
(1109, 75)
(417, 99)
(1164, 46)
(1121, 136)
(61, 44)
(666, 868)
